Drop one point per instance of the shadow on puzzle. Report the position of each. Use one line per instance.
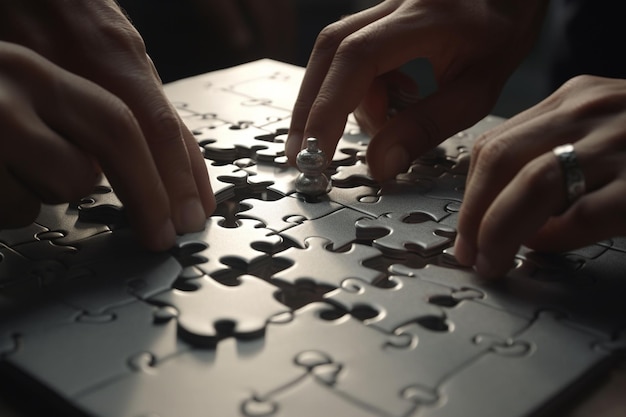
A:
(348, 305)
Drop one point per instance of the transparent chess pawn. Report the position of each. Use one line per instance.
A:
(311, 163)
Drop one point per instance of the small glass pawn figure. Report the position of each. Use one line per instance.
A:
(311, 162)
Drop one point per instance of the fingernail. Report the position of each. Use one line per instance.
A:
(396, 161)
(464, 253)
(484, 267)
(166, 236)
(192, 217)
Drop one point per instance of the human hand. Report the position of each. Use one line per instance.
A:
(128, 126)
(252, 28)
(473, 47)
(516, 192)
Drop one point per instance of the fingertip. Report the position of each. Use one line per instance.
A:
(161, 239)
(387, 164)
(190, 216)
(464, 252)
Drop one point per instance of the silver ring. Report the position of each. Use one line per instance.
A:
(573, 175)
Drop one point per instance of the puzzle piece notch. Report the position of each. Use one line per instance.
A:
(102, 205)
(405, 302)
(339, 265)
(278, 216)
(338, 227)
(214, 311)
(543, 371)
(243, 246)
(397, 234)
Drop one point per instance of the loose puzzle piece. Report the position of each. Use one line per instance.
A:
(353, 175)
(102, 206)
(67, 220)
(213, 310)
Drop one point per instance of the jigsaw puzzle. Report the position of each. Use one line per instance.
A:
(345, 304)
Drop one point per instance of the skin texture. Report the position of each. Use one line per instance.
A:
(473, 48)
(78, 94)
(515, 192)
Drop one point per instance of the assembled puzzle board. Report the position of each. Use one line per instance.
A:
(350, 304)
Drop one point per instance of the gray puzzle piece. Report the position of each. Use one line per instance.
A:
(338, 227)
(65, 219)
(230, 246)
(112, 269)
(406, 301)
(102, 205)
(95, 349)
(213, 310)
(542, 371)
(277, 176)
(338, 265)
(310, 395)
(396, 235)
(289, 211)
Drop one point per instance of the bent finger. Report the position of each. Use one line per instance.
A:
(454, 107)
(318, 69)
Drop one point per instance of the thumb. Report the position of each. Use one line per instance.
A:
(457, 105)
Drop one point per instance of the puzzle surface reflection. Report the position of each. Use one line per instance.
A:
(346, 304)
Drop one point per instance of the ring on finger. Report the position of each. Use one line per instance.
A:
(572, 173)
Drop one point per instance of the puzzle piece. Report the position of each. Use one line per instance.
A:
(287, 212)
(406, 301)
(338, 227)
(26, 234)
(396, 235)
(278, 176)
(76, 356)
(339, 265)
(224, 179)
(102, 205)
(309, 395)
(353, 175)
(212, 310)
(542, 370)
(67, 220)
(230, 142)
(220, 246)
(112, 269)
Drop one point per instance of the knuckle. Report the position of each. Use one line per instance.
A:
(587, 96)
(330, 37)
(119, 34)
(492, 154)
(356, 46)
(166, 125)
